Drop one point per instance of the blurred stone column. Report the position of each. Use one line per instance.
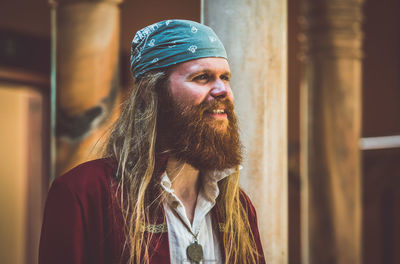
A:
(255, 36)
(331, 123)
(87, 77)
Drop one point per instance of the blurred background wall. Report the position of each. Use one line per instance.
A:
(25, 115)
(380, 119)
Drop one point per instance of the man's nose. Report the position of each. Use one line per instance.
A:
(219, 89)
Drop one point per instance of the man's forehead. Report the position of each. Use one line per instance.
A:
(207, 65)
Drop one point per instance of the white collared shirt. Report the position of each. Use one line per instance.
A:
(178, 234)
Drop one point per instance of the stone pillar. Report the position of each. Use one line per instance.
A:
(87, 77)
(331, 122)
(255, 36)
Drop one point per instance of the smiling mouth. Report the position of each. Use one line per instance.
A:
(217, 113)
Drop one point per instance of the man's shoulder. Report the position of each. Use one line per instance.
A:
(90, 177)
(247, 204)
(252, 217)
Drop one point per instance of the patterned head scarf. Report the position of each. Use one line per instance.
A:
(170, 42)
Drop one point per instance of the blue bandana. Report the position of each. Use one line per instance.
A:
(170, 42)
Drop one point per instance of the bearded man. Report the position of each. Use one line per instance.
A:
(167, 190)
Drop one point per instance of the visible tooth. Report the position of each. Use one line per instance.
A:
(218, 111)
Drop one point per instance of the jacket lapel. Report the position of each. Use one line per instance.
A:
(219, 227)
(158, 232)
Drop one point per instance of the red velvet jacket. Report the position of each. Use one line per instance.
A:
(82, 221)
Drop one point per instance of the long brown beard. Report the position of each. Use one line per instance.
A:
(194, 138)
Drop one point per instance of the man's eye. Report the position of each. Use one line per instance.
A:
(202, 77)
(225, 78)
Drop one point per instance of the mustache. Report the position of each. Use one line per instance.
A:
(207, 107)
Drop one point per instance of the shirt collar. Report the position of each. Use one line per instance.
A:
(210, 181)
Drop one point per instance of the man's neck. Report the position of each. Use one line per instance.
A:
(186, 184)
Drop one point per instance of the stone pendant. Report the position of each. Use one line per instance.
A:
(195, 252)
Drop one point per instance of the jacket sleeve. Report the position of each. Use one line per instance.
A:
(252, 216)
(63, 233)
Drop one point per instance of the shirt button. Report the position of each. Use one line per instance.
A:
(167, 185)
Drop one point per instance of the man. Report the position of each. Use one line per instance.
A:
(167, 191)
